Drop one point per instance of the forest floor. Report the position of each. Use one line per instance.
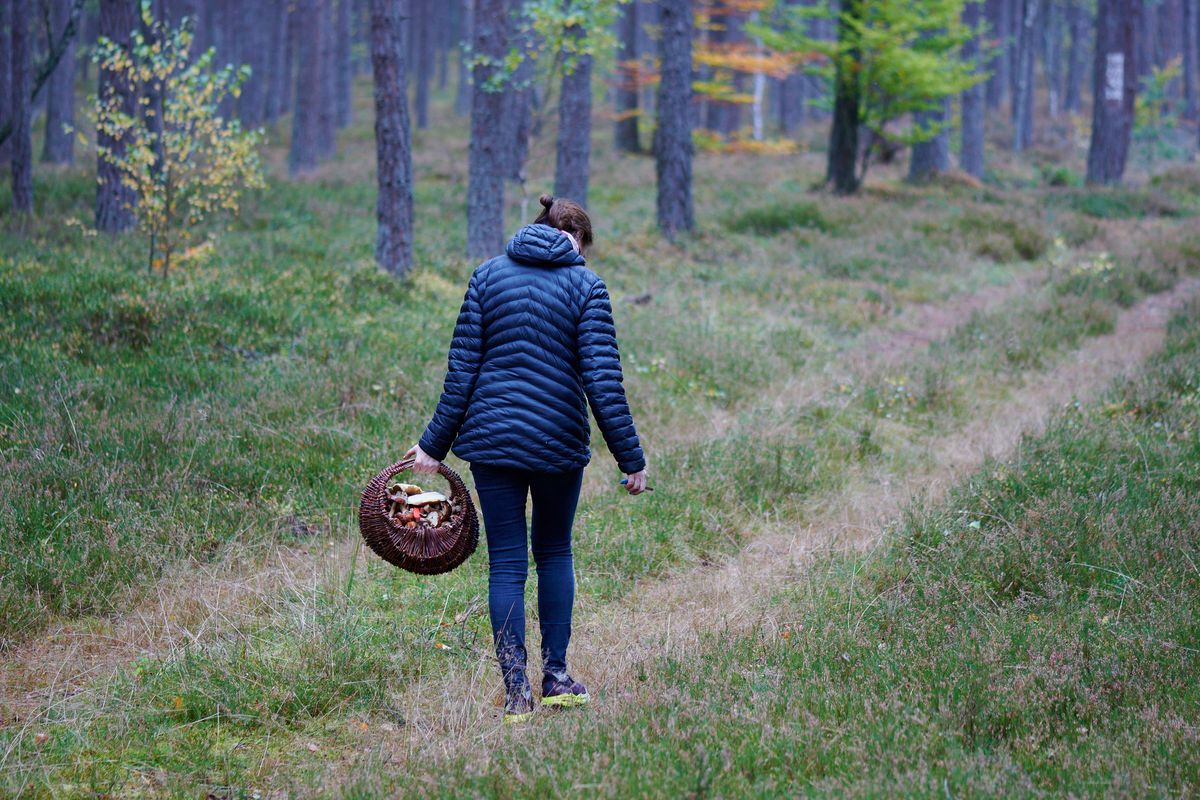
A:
(821, 384)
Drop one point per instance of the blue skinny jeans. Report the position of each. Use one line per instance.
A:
(502, 495)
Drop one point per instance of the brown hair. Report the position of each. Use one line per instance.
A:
(566, 215)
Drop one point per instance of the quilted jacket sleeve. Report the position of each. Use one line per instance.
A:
(600, 366)
(466, 349)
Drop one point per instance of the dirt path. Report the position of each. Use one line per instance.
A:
(193, 601)
(670, 616)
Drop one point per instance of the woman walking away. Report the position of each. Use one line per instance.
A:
(534, 339)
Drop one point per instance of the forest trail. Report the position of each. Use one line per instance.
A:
(194, 601)
(449, 715)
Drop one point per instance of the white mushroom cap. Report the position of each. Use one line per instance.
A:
(425, 498)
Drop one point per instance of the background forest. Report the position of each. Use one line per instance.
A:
(908, 301)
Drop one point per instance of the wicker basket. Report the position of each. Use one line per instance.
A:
(426, 551)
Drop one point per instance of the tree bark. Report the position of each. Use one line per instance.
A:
(931, 157)
(574, 131)
(842, 166)
(393, 152)
(327, 107)
(1189, 43)
(970, 156)
(462, 95)
(6, 89)
(1022, 110)
(422, 24)
(1114, 88)
(625, 129)
(22, 107)
(673, 144)
(114, 201)
(58, 147)
(305, 151)
(486, 167)
(518, 97)
(1079, 23)
(999, 19)
(277, 80)
(152, 109)
(291, 48)
(344, 70)
(1052, 57)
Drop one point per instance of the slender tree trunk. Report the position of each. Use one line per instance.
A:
(518, 99)
(462, 95)
(931, 157)
(1052, 58)
(6, 88)
(291, 50)
(970, 157)
(344, 70)
(1080, 25)
(58, 147)
(1190, 35)
(393, 153)
(22, 111)
(115, 201)
(327, 107)
(842, 166)
(276, 80)
(305, 152)
(574, 131)
(1146, 36)
(627, 79)
(1022, 111)
(715, 111)
(423, 40)
(152, 109)
(255, 25)
(1114, 88)
(486, 168)
(673, 141)
(999, 19)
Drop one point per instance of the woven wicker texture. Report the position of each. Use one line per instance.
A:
(424, 550)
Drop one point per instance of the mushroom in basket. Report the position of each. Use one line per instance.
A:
(409, 506)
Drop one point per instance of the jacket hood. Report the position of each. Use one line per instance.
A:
(543, 246)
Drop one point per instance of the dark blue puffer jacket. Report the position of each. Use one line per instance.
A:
(534, 338)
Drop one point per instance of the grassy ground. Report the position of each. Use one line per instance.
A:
(191, 432)
(1037, 634)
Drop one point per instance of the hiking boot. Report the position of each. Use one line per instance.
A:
(562, 690)
(518, 703)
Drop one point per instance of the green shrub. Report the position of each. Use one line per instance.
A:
(773, 219)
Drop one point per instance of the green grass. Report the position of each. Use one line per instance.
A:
(1036, 634)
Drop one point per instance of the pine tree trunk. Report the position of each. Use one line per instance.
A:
(627, 78)
(327, 107)
(673, 141)
(1114, 88)
(152, 110)
(344, 70)
(291, 49)
(22, 112)
(842, 166)
(574, 132)
(254, 22)
(1146, 36)
(462, 96)
(1022, 110)
(931, 157)
(393, 153)
(5, 74)
(277, 81)
(970, 156)
(305, 152)
(486, 167)
(1079, 23)
(518, 98)
(422, 24)
(999, 18)
(1052, 58)
(714, 109)
(58, 147)
(115, 201)
(1189, 36)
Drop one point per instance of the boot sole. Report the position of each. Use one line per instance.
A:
(566, 700)
(517, 719)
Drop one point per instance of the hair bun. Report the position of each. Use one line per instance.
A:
(547, 201)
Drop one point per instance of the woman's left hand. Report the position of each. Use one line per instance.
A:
(423, 462)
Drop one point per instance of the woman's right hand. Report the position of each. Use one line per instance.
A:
(635, 483)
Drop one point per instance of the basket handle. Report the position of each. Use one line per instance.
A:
(406, 464)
